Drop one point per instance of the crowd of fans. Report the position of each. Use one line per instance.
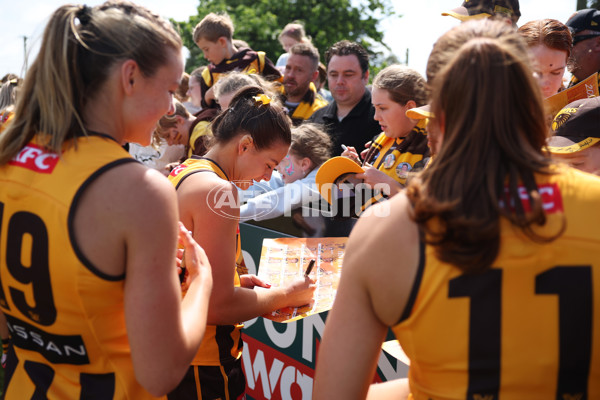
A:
(139, 281)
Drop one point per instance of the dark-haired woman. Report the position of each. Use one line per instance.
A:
(251, 137)
(487, 266)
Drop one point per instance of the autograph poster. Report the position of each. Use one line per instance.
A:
(283, 260)
(584, 89)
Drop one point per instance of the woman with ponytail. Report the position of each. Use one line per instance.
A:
(92, 299)
(493, 281)
(251, 137)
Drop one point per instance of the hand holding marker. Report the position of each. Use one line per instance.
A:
(309, 268)
(311, 264)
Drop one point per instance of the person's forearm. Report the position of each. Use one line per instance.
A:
(194, 308)
(393, 187)
(244, 304)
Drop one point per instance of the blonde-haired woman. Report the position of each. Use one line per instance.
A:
(85, 272)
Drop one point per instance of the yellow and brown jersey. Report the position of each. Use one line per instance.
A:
(310, 103)
(65, 316)
(222, 344)
(574, 81)
(245, 60)
(200, 132)
(6, 116)
(525, 328)
(397, 157)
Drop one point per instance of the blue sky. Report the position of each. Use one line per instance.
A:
(418, 28)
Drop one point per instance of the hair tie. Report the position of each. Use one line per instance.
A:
(261, 100)
(84, 14)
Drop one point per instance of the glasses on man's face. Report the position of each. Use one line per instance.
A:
(581, 38)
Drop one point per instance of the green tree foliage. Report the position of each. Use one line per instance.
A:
(581, 4)
(259, 22)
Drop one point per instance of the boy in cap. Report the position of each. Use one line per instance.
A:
(585, 28)
(577, 134)
(473, 9)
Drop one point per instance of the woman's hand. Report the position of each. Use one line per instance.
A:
(192, 260)
(350, 152)
(374, 177)
(300, 291)
(250, 281)
(363, 153)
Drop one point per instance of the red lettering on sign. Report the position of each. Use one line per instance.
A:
(273, 375)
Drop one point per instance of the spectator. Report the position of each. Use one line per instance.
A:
(476, 9)
(320, 83)
(194, 105)
(576, 139)
(183, 128)
(349, 118)
(184, 86)
(8, 98)
(310, 148)
(214, 36)
(550, 45)
(299, 93)
(585, 28)
(291, 34)
(403, 141)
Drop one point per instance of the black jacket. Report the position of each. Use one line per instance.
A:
(355, 129)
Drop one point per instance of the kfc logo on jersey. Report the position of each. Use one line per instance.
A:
(178, 169)
(36, 159)
(549, 194)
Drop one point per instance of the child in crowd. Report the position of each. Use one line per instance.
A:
(183, 128)
(291, 34)
(214, 36)
(194, 93)
(310, 148)
(403, 142)
(230, 83)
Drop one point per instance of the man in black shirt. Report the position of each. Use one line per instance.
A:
(349, 118)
